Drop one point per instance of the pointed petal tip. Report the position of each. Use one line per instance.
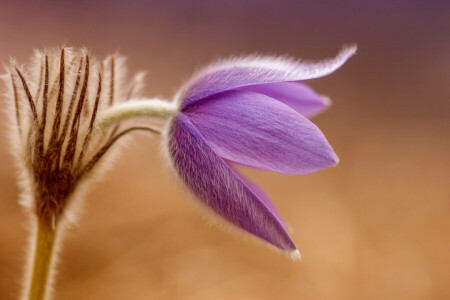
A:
(332, 158)
(326, 101)
(346, 52)
(295, 255)
(349, 49)
(335, 159)
(341, 58)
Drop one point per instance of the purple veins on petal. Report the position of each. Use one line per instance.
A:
(257, 131)
(297, 96)
(253, 70)
(251, 111)
(262, 196)
(219, 187)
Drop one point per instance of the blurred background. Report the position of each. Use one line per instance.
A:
(375, 227)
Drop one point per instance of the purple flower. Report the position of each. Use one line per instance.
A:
(254, 112)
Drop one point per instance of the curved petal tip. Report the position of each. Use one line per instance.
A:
(255, 69)
(349, 50)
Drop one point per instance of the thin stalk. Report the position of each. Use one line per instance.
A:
(136, 108)
(43, 255)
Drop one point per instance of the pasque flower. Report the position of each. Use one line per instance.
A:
(67, 111)
(253, 112)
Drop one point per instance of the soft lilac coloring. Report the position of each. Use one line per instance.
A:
(253, 112)
(297, 96)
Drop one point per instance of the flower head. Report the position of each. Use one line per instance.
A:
(56, 101)
(254, 112)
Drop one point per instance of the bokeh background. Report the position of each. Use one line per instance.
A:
(375, 227)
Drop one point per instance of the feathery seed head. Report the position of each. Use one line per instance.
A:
(56, 101)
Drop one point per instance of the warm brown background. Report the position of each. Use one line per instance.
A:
(375, 227)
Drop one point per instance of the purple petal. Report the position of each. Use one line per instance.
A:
(220, 188)
(257, 131)
(254, 70)
(262, 196)
(297, 96)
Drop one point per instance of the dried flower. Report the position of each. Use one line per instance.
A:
(53, 128)
(56, 140)
(252, 112)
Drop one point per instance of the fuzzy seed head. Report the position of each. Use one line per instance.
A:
(54, 105)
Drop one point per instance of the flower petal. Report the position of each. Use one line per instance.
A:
(255, 130)
(219, 187)
(235, 73)
(262, 196)
(297, 96)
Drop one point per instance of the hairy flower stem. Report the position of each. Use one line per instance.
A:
(57, 103)
(42, 260)
(136, 108)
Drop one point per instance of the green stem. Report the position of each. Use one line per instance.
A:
(45, 244)
(153, 108)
